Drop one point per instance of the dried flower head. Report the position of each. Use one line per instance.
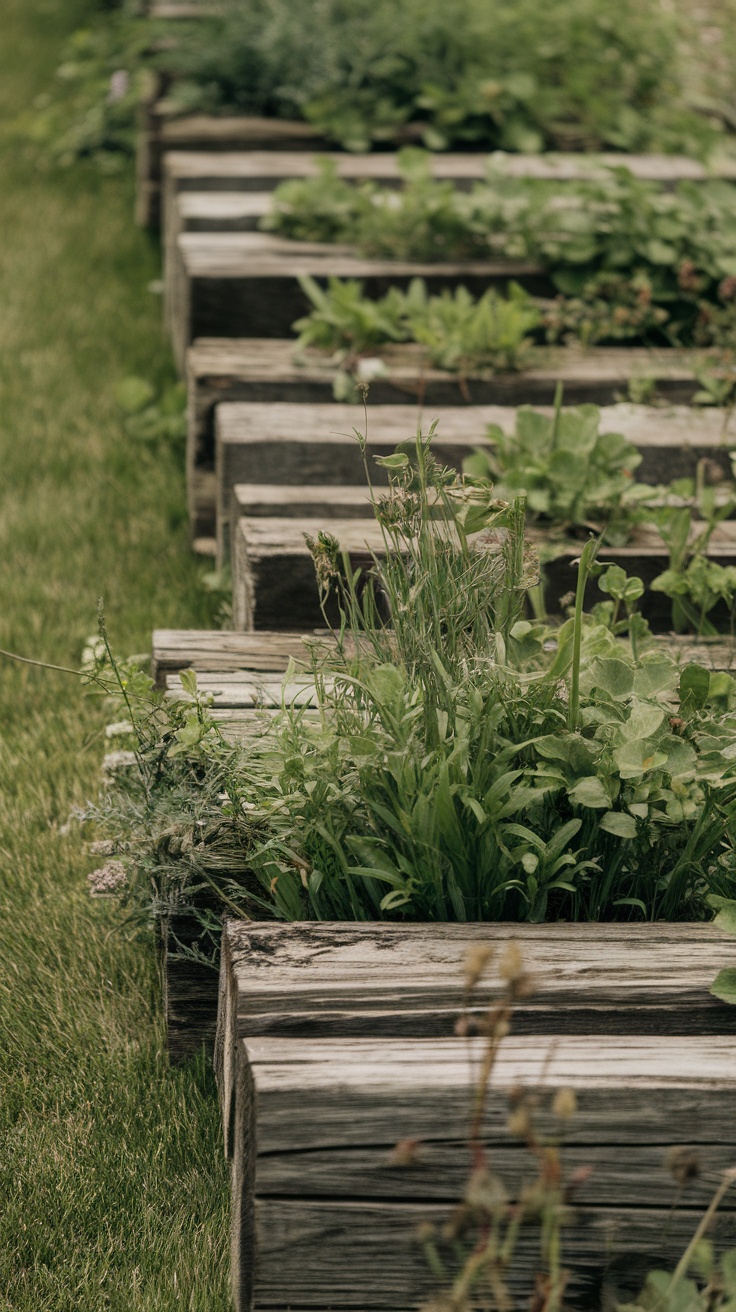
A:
(564, 1104)
(107, 880)
(406, 1153)
(485, 1191)
(511, 965)
(114, 761)
(477, 958)
(683, 1164)
(399, 509)
(687, 277)
(325, 553)
(102, 847)
(519, 1123)
(531, 574)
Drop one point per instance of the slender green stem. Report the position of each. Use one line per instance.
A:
(41, 665)
(589, 553)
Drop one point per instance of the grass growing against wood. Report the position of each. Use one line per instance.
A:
(111, 1173)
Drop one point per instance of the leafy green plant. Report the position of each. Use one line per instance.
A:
(625, 592)
(717, 385)
(150, 418)
(424, 220)
(610, 308)
(724, 985)
(461, 761)
(344, 320)
(518, 78)
(466, 336)
(458, 333)
(713, 1289)
(630, 261)
(696, 583)
(572, 475)
(91, 109)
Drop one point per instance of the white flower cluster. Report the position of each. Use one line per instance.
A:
(107, 880)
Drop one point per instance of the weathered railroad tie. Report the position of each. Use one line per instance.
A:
(292, 447)
(222, 371)
(335, 1043)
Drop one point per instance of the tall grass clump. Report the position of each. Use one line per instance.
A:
(458, 761)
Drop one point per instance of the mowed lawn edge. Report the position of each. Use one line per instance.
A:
(111, 1168)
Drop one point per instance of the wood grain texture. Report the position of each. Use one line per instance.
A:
(218, 650)
(162, 130)
(222, 211)
(237, 690)
(311, 981)
(215, 651)
(248, 501)
(201, 153)
(254, 171)
(296, 445)
(343, 1104)
(274, 583)
(367, 1255)
(190, 991)
(230, 169)
(440, 1171)
(204, 269)
(622, 975)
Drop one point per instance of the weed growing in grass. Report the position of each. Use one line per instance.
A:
(152, 419)
(90, 110)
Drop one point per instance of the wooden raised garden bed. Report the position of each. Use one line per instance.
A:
(254, 173)
(274, 583)
(209, 207)
(206, 154)
(256, 656)
(295, 446)
(264, 371)
(244, 284)
(162, 132)
(335, 1043)
(243, 672)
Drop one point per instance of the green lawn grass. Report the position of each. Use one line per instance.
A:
(113, 1186)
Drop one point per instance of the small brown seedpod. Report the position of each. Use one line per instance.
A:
(477, 958)
(407, 1152)
(519, 1125)
(511, 965)
(564, 1104)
